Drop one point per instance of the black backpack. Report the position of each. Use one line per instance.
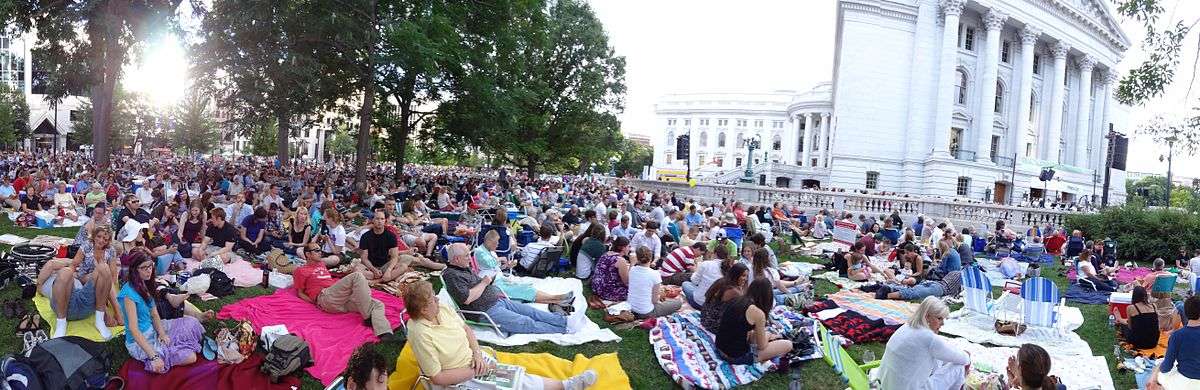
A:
(286, 355)
(220, 284)
(69, 362)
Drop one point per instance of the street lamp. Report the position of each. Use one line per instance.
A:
(751, 144)
(1170, 153)
(612, 163)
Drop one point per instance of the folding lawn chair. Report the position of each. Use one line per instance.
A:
(546, 260)
(853, 374)
(735, 235)
(978, 289)
(1039, 303)
(485, 320)
(1163, 286)
(428, 381)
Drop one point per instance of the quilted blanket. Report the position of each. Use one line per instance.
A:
(1076, 372)
(850, 324)
(688, 352)
(890, 311)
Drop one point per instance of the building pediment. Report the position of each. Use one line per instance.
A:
(961, 115)
(1098, 15)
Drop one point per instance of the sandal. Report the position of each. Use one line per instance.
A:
(30, 322)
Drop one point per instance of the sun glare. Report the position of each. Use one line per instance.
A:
(161, 75)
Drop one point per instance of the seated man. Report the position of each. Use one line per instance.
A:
(79, 287)
(1148, 280)
(315, 285)
(478, 294)
(380, 256)
(677, 267)
(529, 253)
(218, 239)
(950, 285)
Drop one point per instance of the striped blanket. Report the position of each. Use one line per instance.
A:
(890, 311)
(688, 352)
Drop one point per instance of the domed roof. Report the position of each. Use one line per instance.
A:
(822, 92)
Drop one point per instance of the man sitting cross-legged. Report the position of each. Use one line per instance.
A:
(381, 258)
(314, 284)
(79, 287)
(478, 294)
(218, 240)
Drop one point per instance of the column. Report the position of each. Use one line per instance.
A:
(951, 10)
(823, 142)
(794, 147)
(1084, 116)
(1029, 37)
(994, 22)
(1054, 132)
(805, 157)
(1111, 78)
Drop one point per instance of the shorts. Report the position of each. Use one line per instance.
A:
(82, 302)
(747, 358)
(432, 228)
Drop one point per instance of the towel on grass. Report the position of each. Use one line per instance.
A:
(580, 328)
(331, 337)
(1078, 294)
(1157, 352)
(892, 312)
(608, 369)
(1124, 275)
(85, 328)
(688, 352)
(980, 328)
(1076, 372)
(242, 272)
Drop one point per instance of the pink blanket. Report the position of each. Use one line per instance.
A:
(242, 272)
(1124, 275)
(330, 337)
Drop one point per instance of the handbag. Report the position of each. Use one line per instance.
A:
(1009, 328)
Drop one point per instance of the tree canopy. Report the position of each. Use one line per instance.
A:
(14, 115)
(194, 130)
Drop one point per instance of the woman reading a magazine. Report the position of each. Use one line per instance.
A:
(447, 352)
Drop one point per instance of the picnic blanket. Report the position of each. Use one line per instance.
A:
(892, 312)
(849, 324)
(1124, 275)
(206, 374)
(241, 271)
(1045, 258)
(991, 268)
(688, 352)
(608, 369)
(979, 328)
(580, 328)
(83, 328)
(797, 268)
(331, 337)
(844, 283)
(12, 239)
(1076, 372)
(1157, 352)
(46, 220)
(1083, 295)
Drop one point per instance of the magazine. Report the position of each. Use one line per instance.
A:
(503, 377)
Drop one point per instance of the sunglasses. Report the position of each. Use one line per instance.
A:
(145, 267)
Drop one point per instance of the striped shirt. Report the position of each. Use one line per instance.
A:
(678, 261)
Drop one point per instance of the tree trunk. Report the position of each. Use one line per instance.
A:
(368, 107)
(281, 136)
(102, 105)
(531, 167)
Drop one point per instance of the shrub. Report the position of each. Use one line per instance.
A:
(1142, 234)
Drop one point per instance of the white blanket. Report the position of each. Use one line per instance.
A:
(580, 328)
(981, 329)
(845, 283)
(797, 268)
(992, 269)
(49, 216)
(1076, 372)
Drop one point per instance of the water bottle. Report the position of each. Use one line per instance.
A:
(1112, 320)
(1117, 352)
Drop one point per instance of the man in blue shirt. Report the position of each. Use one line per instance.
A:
(8, 194)
(693, 218)
(254, 232)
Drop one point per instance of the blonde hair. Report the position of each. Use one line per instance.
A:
(418, 295)
(491, 235)
(929, 306)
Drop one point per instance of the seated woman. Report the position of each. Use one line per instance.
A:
(492, 265)
(1148, 280)
(446, 349)
(949, 261)
(160, 344)
(585, 250)
(706, 274)
(645, 287)
(610, 281)
(917, 358)
(1029, 369)
(1087, 270)
(742, 337)
(1180, 368)
(1139, 325)
(762, 269)
(721, 293)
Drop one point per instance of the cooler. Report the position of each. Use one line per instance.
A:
(1119, 302)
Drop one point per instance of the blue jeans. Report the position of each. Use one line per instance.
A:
(689, 291)
(920, 291)
(781, 295)
(163, 262)
(518, 318)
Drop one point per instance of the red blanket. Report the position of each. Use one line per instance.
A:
(246, 375)
(330, 337)
(205, 374)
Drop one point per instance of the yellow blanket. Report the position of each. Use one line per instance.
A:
(83, 328)
(607, 366)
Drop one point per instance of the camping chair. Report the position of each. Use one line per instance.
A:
(1039, 301)
(504, 248)
(978, 289)
(485, 320)
(546, 260)
(1163, 286)
(428, 381)
(852, 373)
(735, 234)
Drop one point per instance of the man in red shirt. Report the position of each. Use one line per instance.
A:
(678, 265)
(315, 285)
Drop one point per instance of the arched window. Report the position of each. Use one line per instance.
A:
(777, 144)
(961, 97)
(703, 139)
(721, 140)
(741, 140)
(999, 97)
(1033, 109)
(670, 138)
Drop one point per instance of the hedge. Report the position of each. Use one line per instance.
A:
(1142, 234)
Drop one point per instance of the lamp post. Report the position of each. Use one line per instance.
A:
(1170, 154)
(612, 165)
(751, 144)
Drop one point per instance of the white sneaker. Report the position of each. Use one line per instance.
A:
(581, 381)
(60, 328)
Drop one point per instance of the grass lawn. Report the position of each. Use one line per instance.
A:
(634, 349)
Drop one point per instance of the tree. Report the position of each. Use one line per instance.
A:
(14, 116)
(1150, 190)
(546, 95)
(632, 157)
(130, 116)
(195, 131)
(84, 44)
(263, 141)
(1183, 197)
(340, 144)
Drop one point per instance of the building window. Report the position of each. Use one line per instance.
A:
(670, 122)
(955, 141)
(670, 158)
(76, 115)
(995, 147)
(703, 139)
(1032, 108)
(1037, 63)
(758, 123)
(737, 162)
(741, 140)
(670, 138)
(704, 122)
(777, 144)
(687, 122)
(1028, 149)
(1005, 50)
(968, 38)
(776, 124)
(999, 97)
(721, 140)
(722, 122)
(964, 186)
(800, 148)
(872, 180)
(701, 157)
(962, 87)
(741, 123)
(720, 161)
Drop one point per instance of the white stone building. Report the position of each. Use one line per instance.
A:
(919, 108)
(49, 122)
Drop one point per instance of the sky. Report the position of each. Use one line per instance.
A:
(674, 46)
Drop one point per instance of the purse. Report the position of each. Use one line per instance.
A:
(1009, 328)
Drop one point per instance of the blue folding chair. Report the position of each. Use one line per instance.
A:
(978, 290)
(1040, 298)
(735, 234)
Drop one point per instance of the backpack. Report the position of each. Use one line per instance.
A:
(69, 362)
(287, 355)
(220, 284)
